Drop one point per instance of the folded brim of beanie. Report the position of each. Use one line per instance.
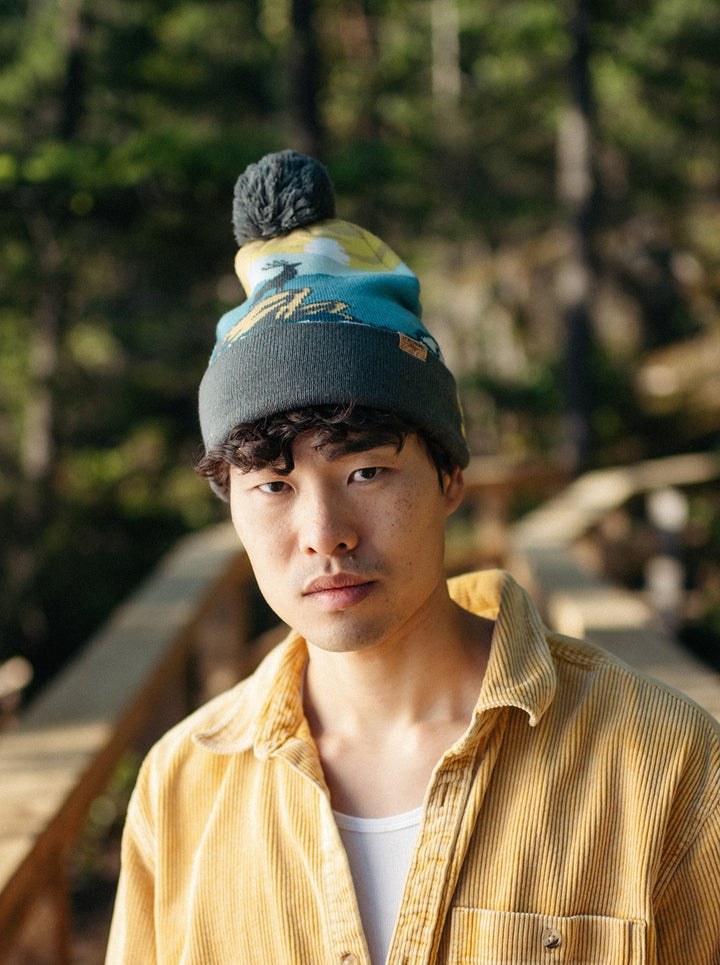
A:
(282, 366)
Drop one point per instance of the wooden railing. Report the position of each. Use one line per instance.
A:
(582, 603)
(187, 633)
(142, 671)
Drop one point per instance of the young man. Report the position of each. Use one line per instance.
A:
(421, 772)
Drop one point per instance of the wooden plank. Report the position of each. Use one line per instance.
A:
(582, 604)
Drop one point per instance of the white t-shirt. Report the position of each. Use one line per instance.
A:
(379, 852)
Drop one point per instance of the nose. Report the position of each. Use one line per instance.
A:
(326, 524)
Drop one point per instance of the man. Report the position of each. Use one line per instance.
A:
(421, 772)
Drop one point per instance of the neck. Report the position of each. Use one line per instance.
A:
(433, 672)
(382, 718)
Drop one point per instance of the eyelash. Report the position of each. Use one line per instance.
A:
(281, 484)
(263, 487)
(375, 470)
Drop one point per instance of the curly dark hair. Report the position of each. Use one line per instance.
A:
(344, 428)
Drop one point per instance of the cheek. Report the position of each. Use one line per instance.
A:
(419, 514)
(413, 534)
(263, 551)
(271, 575)
(254, 539)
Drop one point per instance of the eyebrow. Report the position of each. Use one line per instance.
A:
(336, 450)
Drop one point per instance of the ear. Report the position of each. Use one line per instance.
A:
(454, 489)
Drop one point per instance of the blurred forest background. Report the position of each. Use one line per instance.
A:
(550, 168)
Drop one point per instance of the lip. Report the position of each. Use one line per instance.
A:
(338, 591)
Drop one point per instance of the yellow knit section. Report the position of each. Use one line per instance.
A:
(340, 241)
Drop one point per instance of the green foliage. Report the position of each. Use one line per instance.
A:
(122, 129)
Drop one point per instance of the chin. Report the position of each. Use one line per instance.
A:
(346, 639)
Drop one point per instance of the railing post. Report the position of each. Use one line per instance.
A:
(63, 924)
(221, 638)
(490, 513)
(43, 933)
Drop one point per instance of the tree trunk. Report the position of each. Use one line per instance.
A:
(446, 77)
(576, 189)
(24, 549)
(305, 80)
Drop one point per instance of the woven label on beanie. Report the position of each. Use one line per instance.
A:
(416, 349)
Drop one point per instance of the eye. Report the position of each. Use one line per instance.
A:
(366, 474)
(273, 487)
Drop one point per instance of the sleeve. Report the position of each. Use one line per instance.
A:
(688, 912)
(132, 932)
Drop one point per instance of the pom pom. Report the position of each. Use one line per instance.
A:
(281, 192)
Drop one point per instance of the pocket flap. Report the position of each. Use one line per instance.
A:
(479, 936)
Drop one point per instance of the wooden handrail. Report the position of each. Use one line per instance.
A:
(61, 752)
(583, 604)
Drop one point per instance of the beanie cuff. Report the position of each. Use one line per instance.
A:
(281, 367)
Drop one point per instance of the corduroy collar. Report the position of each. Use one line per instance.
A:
(265, 710)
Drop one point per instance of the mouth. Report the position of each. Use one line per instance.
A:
(339, 591)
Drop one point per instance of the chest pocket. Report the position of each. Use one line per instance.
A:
(482, 937)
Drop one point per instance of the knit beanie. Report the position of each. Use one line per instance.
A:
(332, 315)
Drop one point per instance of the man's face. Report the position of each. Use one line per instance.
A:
(347, 548)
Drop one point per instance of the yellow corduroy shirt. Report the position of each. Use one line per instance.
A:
(576, 822)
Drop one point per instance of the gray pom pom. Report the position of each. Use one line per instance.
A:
(281, 192)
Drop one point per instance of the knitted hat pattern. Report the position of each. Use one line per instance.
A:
(332, 315)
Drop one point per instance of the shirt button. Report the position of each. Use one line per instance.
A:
(348, 959)
(551, 938)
